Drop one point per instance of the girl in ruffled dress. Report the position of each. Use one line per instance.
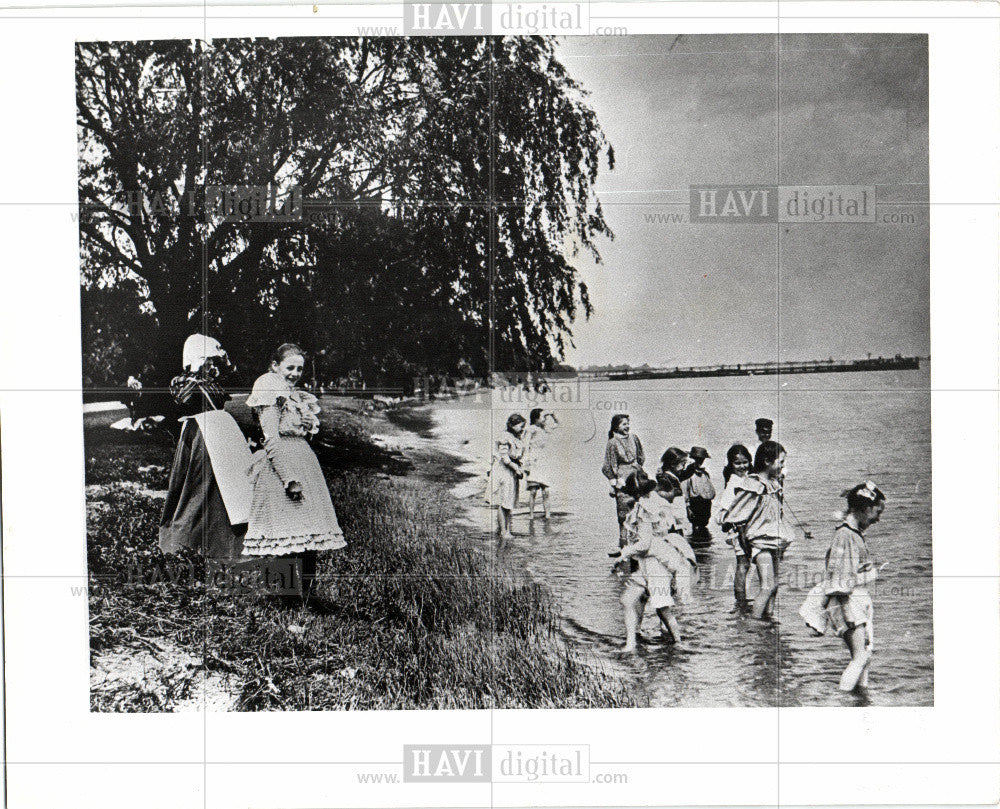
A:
(291, 513)
(756, 511)
(675, 470)
(738, 463)
(841, 602)
(506, 473)
(541, 473)
(665, 564)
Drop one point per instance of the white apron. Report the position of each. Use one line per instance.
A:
(230, 457)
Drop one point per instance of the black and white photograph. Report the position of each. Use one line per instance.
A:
(401, 402)
(506, 372)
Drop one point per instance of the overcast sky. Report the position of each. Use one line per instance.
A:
(689, 110)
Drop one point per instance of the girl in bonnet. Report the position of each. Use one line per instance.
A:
(540, 470)
(208, 496)
(291, 513)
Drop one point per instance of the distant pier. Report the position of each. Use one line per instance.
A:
(896, 363)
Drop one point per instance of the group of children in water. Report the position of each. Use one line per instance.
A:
(276, 503)
(658, 515)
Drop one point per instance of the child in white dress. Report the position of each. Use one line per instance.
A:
(738, 463)
(506, 474)
(666, 565)
(756, 512)
(841, 602)
(539, 468)
(291, 513)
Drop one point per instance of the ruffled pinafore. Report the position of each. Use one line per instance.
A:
(279, 525)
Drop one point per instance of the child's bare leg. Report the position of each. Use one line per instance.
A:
(860, 657)
(545, 502)
(670, 624)
(504, 521)
(631, 628)
(632, 606)
(768, 584)
(740, 582)
(531, 501)
(775, 562)
(622, 535)
(863, 682)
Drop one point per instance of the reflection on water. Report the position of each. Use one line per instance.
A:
(839, 429)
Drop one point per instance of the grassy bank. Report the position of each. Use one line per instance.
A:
(422, 616)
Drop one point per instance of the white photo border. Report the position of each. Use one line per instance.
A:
(59, 753)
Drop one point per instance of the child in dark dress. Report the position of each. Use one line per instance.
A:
(698, 490)
(208, 493)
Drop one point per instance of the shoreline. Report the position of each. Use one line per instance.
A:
(419, 640)
(513, 554)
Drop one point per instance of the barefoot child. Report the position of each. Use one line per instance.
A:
(539, 466)
(506, 473)
(670, 486)
(291, 513)
(841, 601)
(675, 470)
(666, 564)
(623, 455)
(737, 467)
(699, 491)
(757, 512)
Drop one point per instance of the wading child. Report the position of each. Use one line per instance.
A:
(757, 512)
(841, 603)
(699, 491)
(539, 467)
(291, 513)
(665, 564)
(738, 463)
(675, 469)
(506, 473)
(623, 455)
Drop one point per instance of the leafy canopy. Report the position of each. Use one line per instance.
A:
(448, 185)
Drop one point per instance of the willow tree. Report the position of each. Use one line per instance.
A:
(447, 182)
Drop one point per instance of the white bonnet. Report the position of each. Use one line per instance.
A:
(198, 348)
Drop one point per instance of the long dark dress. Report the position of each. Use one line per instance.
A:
(194, 515)
(622, 456)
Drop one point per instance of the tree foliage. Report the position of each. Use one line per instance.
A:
(448, 184)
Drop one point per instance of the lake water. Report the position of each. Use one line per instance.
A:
(838, 429)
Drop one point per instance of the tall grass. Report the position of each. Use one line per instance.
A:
(422, 616)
